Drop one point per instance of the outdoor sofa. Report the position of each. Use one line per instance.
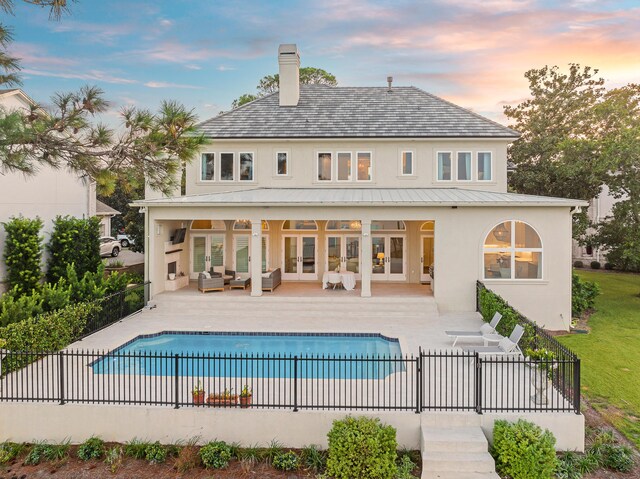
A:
(271, 280)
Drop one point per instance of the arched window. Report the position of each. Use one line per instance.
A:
(245, 225)
(300, 225)
(427, 226)
(208, 225)
(388, 226)
(512, 250)
(342, 225)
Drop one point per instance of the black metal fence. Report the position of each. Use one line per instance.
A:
(117, 306)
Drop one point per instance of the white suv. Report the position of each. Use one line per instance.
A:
(125, 240)
(109, 246)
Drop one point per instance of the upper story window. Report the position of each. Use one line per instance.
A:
(364, 166)
(344, 166)
(324, 166)
(406, 163)
(444, 166)
(246, 166)
(227, 167)
(282, 163)
(208, 166)
(512, 250)
(464, 166)
(484, 166)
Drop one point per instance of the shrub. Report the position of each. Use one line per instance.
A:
(608, 266)
(23, 254)
(405, 468)
(595, 265)
(523, 451)
(314, 458)
(286, 461)
(361, 447)
(92, 448)
(73, 240)
(44, 451)
(616, 457)
(273, 449)
(155, 453)
(578, 264)
(9, 451)
(114, 458)
(16, 307)
(136, 449)
(215, 455)
(583, 295)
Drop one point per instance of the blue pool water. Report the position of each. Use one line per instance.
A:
(257, 355)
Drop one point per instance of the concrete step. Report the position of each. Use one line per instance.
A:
(448, 420)
(481, 462)
(458, 439)
(457, 475)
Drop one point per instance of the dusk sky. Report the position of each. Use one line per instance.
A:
(206, 53)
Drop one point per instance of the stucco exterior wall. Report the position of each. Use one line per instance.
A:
(31, 422)
(458, 245)
(386, 164)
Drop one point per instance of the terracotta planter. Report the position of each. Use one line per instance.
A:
(198, 397)
(217, 400)
(245, 401)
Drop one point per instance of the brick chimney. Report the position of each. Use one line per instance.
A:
(289, 66)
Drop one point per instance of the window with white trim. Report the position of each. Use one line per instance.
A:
(464, 166)
(364, 166)
(444, 166)
(484, 166)
(227, 166)
(512, 250)
(406, 163)
(246, 166)
(282, 163)
(344, 165)
(325, 163)
(208, 166)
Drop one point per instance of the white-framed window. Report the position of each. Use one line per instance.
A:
(513, 251)
(406, 163)
(344, 166)
(246, 166)
(227, 166)
(325, 161)
(364, 166)
(484, 165)
(282, 163)
(463, 166)
(445, 166)
(207, 167)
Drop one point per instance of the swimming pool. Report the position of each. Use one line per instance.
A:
(259, 355)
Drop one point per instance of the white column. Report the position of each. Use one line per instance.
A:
(256, 257)
(365, 256)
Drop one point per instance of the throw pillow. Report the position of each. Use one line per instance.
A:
(206, 275)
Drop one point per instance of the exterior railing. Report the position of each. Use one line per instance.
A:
(117, 306)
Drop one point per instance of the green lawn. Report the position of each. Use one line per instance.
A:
(610, 354)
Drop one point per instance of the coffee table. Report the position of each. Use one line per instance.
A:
(239, 283)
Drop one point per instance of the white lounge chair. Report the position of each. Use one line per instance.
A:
(486, 328)
(505, 346)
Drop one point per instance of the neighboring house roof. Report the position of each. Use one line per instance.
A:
(102, 209)
(361, 197)
(17, 91)
(354, 112)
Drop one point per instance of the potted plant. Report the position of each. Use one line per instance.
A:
(245, 397)
(542, 372)
(198, 393)
(225, 398)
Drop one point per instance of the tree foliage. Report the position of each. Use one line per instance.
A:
(270, 84)
(23, 254)
(73, 241)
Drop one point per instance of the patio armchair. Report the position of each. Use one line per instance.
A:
(210, 284)
(486, 328)
(505, 346)
(271, 280)
(222, 272)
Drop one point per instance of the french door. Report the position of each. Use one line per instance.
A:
(242, 254)
(426, 258)
(207, 251)
(299, 257)
(388, 255)
(343, 252)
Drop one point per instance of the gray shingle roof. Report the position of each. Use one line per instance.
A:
(103, 209)
(353, 112)
(350, 197)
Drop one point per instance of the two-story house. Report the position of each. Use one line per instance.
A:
(380, 181)
(49, 193)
